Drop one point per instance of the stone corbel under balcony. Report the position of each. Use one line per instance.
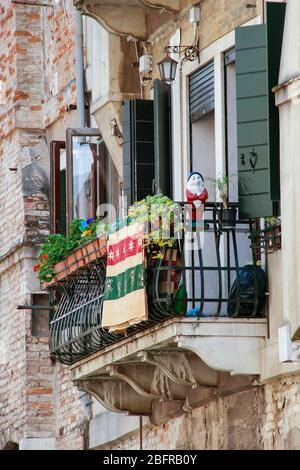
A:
(129, 17)
(172, 366)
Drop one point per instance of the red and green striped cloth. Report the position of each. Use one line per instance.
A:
(125, 299)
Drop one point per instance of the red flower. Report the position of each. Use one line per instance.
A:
(36, 268)
(44, 256)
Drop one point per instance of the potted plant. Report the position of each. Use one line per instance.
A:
(161, 218)
(226, 214)
(62, 255)
(163, 226)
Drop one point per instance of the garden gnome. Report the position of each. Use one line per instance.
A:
(196, 195)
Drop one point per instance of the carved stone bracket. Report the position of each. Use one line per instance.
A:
(181, 367)
(129, 17)
(117, 396)
(173, 367)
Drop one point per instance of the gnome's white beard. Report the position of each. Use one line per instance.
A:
(195, 187)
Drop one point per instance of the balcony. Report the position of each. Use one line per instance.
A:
(130, 17)
(178, 354)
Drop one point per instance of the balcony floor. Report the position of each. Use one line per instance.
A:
(212, 339)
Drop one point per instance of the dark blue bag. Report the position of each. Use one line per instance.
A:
(247, 290)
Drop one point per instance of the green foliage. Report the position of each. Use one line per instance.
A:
(53, 251)
(221, 183)
(57, 247)
(160, 216)
(272, 221)
(162, 221)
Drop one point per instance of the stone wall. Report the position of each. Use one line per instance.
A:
(266, 417)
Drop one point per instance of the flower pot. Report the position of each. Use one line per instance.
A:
(91, 252)
(94, 250)
(102, 243)
(227, 217)
(71, 263)
(79, 257)
(46, 285)
(61, 270)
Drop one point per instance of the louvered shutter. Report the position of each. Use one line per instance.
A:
(138, 149)
(258, 51)
(202, 92)
(162, 137)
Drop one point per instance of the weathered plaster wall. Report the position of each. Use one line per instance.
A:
(265, 417)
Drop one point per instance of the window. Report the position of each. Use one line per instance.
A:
(83, 177)
(58, 187)
(202, 121)
(85, 188)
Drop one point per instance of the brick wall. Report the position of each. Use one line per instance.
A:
(37, 398)
(265, 417)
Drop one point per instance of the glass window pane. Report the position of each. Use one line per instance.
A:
(83, 167)
(62, 210)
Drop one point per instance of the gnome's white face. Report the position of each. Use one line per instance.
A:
(195, 184)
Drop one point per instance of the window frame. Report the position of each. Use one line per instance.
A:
(70, 133)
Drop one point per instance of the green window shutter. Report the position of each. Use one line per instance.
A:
(138, 149)
(163, 136)
(258, 51)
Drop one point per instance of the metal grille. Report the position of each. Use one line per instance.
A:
(202, 99)
(212, 259)
(204, 273)
(74, 330)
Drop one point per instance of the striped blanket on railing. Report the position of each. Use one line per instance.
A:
(125, 299)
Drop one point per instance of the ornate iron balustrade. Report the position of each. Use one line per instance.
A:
(200, 275)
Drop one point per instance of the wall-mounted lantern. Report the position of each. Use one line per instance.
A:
(168, 66)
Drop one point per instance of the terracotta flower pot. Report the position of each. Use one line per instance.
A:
(46, 285)
(102, 244)
(61, 270)
(91, 251)
(99, 245)
(71, 263)
(79, 257)
(94, 250)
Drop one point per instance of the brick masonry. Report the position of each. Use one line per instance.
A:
(37, 397)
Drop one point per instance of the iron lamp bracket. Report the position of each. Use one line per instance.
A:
(191, 53)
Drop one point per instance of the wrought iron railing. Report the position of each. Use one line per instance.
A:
(202, 275)
(267, 239)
